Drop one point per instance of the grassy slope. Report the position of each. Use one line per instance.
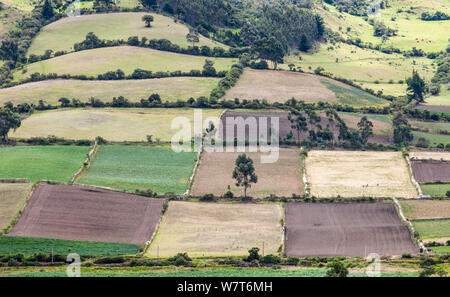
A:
(24, 5)
(170, 89)
(127, 58)
(31, 245)
(382, 124)
(111, 123)
(353, 96)
(431, 126)
(433, 138)
(8, 16)
(140, 167)
(432, 229)
(56, 163)
(12, 199)
(63, 34)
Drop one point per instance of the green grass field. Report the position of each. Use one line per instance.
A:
(412, 31)
(63, 34)
(113, 124)
(353, 96)
(432, 229)
(11, 245)
(441, 249)
(25, 5)
(434, 139)
(170, 89)
(141, 167)
(431, 126)
(435, 190)
(442, 99)
(55, 163)
(127, 58)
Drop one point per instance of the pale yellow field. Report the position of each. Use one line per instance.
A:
(358, 174)
(216, 229)
(426, 209)
(423, 155)
(12, 200)
(112, 124)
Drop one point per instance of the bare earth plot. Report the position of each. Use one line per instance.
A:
(229, 119)
(88, 214)
(431, 171)
(426, 209)
(216, 229)
(358, 174)
(170, 89)
(423, 155)
(282, 178)
(280, 86)
(12, 199)
(113, 124)
(345, 230)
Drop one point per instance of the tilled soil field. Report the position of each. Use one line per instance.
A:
(228, 119)
(345, 230)
(88, 214)
(431, 172)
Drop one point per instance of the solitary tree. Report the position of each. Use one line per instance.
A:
(269, 49)
(8, 120)
(47, 10)
(304, 44)
(336, 269)
(402, 130)
(208, 68)
(244, 173)
(192, 37)
(148, 19)
(417, 87)
(365, 128)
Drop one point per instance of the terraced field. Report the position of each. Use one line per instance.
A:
(63, 34)
(113, 124)
(140, 167)
(126, 58)
(170, 89)
(55, 163)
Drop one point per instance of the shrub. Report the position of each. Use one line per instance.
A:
(207, 197)
(110, 260)
(253, 254)
(270, 259)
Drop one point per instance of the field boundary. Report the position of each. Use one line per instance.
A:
(408, 225)
(429, 219)
(411, 174)
(86, 164)
(15, 181)
(194, 171)
(19, 213)
(304, 177)
(155, 232)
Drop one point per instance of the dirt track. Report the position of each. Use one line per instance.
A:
(431, 172)
(88, 214)
(345, 230)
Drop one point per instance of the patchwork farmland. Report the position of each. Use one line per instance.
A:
(88, 214)
(216, 229)
(90, 107)
(349, 230)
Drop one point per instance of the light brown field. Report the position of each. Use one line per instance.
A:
(215, 229)
(12, 200)
(430, 155)
(358, 174)
(280, 86)
(282, 178)
(426, 209)
(113, 124)
(170, 89)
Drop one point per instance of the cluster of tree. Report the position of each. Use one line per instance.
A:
(442, 75)
(417, 88)
(9, 120)
(402, 129)
(383, 31)
(357, 7)
(92, 41)
(427, 115)
(226, 83)
(437, 16)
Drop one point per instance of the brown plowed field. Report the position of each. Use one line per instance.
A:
(284, 125)
(431, 172)
(88, 214)
(345, 230)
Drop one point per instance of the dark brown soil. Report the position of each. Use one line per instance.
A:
(434, 108)
(88, 214)
(431, 171)
(345, 230)
(284, 124)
